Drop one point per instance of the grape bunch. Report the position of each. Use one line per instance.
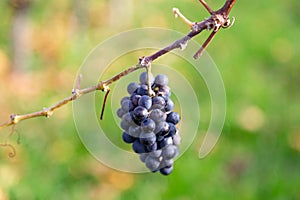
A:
(149, 123)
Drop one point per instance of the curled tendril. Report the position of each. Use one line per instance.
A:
(12, 152)
(12, 149)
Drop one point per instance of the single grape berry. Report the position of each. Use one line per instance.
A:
(149, 123)
(147, 139)
(158, 115)
(166, 170)
(152, 147)
(161, 79)
(169, 105)
(152, 163)
(127, 105)
(172, 130)
(124, 99)
(143, 156)
(155, 153)
(169, 152)
(120, 112)
(125, 125)
(144, 78)
(145, 101)
(164, 129)
(132, 87)
(164, 91)
(158, 102)
(165, 142)
(173, 117)
(134, 98)
(140, 113)
(142, 90)
(127, 117)
(166, 163)
(128, 138)
(134, 131)
(138, 147)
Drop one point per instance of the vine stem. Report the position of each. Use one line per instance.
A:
(217, 20)
(76, 93)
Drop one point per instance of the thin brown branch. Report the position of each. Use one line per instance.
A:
(227, 7)
(206, 6)
(204, 45)
(121, 74)
(76, 93)
(177, 13)
(218, 19)
(104, 103)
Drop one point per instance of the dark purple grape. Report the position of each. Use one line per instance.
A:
(159, 138)
(166, 163)
(138, 147)
(165, 142)
(144, 78)
(124, 99)
(166, 170)
(127, 105)
(136, 121)
(125, 125)
(155, 153)
(169, 105)
(148, 125)
(126, 117)
(152, 148)
(172, 130)
(120, 112)
(132, 87)
(158, 102)
(140, 113)
(152, 163)
(169, 152)
(128, 138)
(143, 156)
(164, 129)
(145, 101)
(173, 117)
(164, 91)
(142, 90)
(135, 99)
(157, 115)
(134, 131)
(147, 139)
(161, 79)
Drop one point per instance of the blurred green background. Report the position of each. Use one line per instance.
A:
(43, 44)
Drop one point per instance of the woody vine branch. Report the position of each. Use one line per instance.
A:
(218, 19)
